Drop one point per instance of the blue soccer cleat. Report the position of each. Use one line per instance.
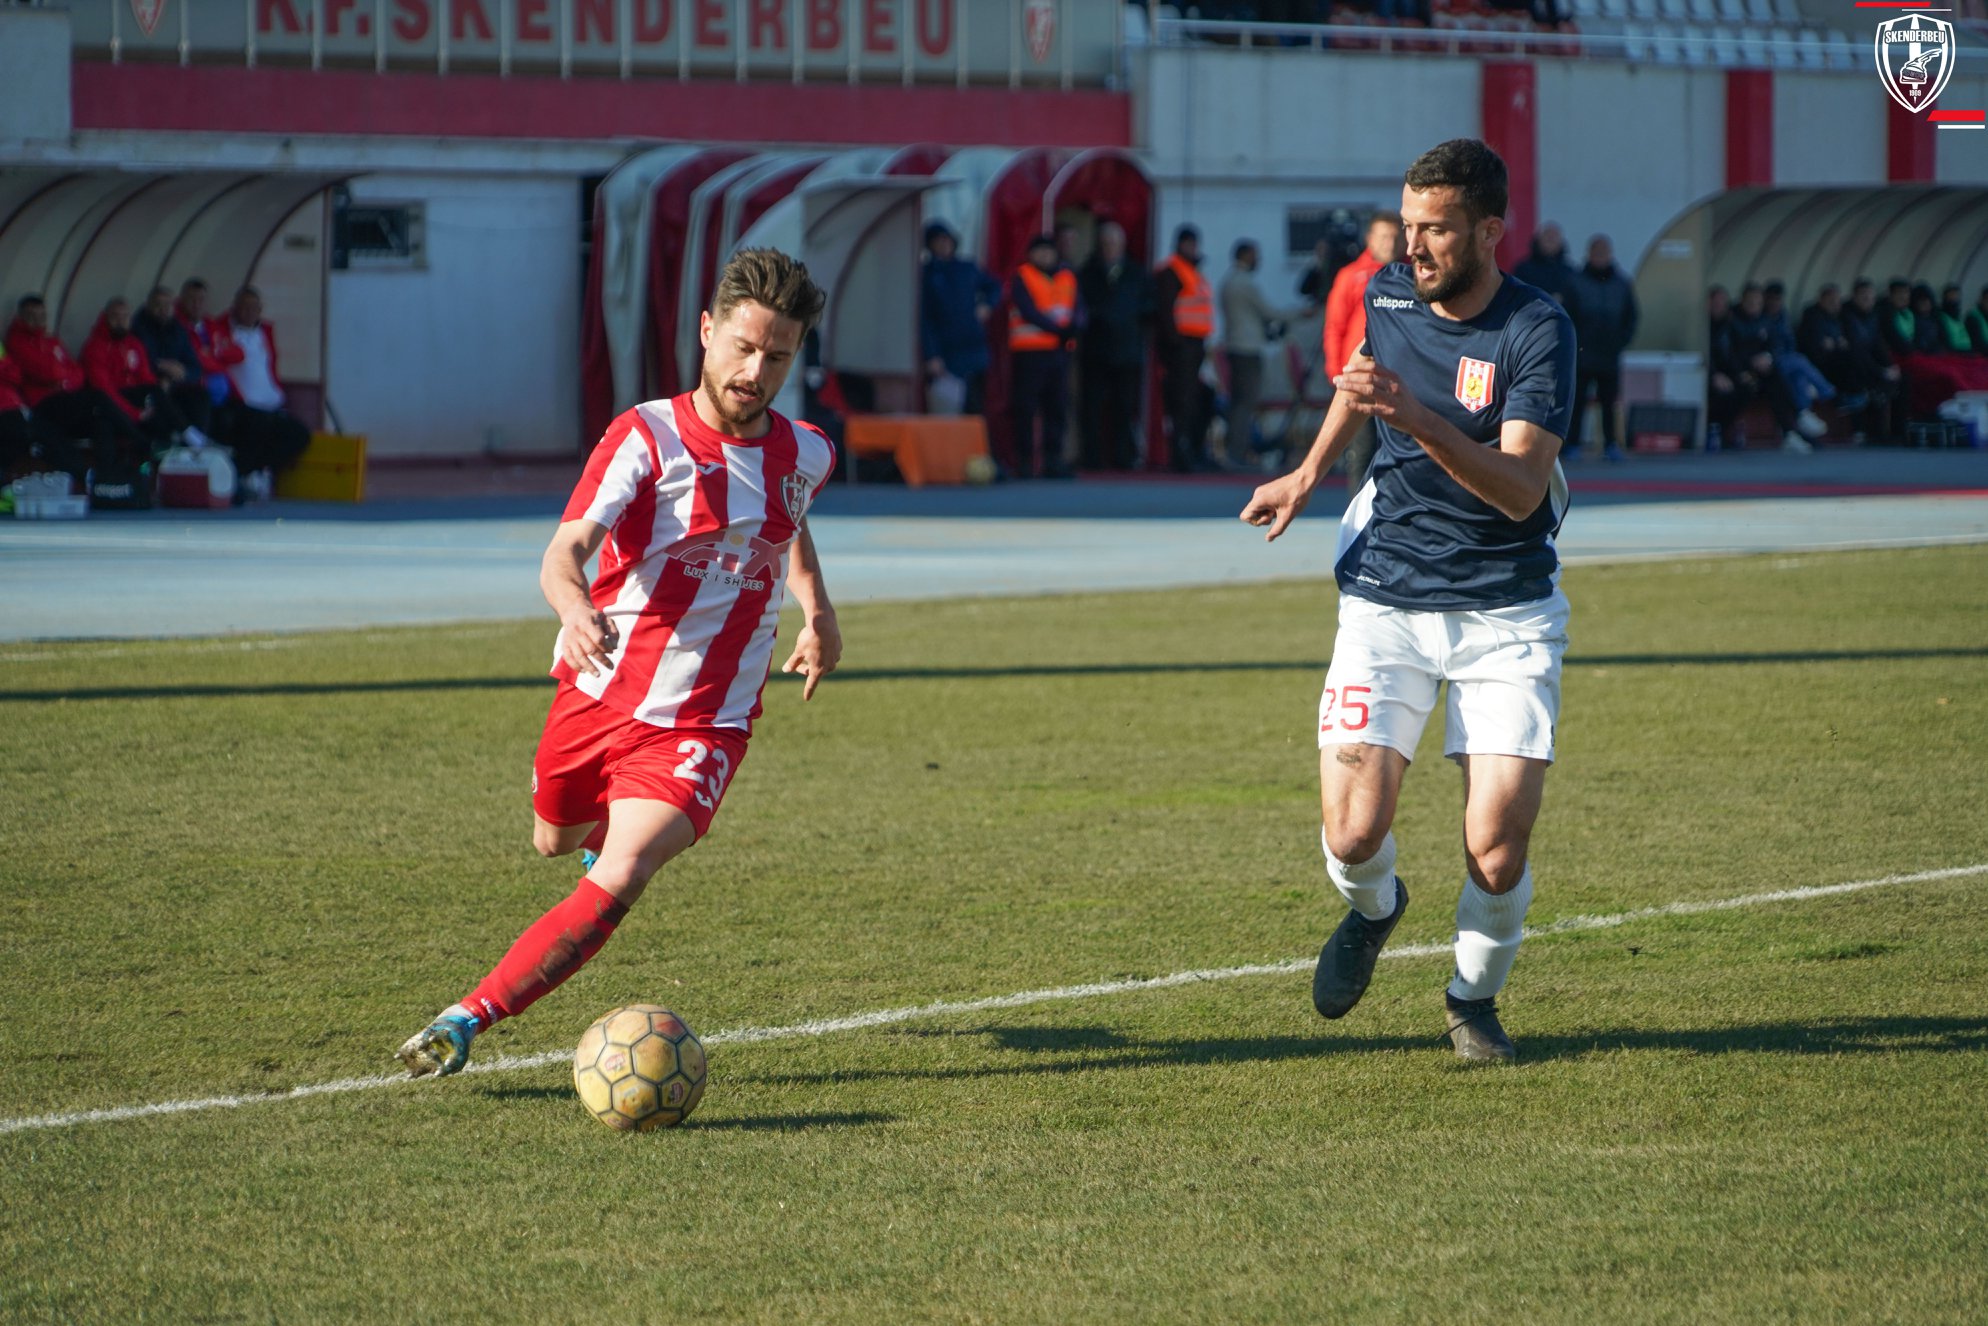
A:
(441, 1048)
(588, 859)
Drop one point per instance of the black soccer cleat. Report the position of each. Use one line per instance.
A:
(1346, 963)
(1474, 1031)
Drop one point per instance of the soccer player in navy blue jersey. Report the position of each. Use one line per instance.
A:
(1446, 573)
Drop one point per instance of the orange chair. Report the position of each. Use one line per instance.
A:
(928, 448)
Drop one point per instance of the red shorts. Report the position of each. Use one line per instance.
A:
(591, 755)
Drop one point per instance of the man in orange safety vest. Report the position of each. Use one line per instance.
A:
(1184, 305)
(1045, 314)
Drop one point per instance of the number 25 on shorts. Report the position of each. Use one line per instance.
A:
(1342, 710)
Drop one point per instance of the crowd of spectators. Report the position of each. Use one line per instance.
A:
(1086, 328)
(1863, 356)
(1090, 330)
(167, 376)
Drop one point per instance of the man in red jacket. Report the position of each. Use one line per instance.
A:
(54, 386)
(1346, 324)
(115, 363)
(216, 356)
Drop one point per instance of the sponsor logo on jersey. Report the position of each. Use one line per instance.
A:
(794, 491)
(1915, 59)
(1389, 301)
(709, 466)
(1473, 383)
(728, 559)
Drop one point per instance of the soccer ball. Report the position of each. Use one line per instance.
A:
(980, 470)
(638, 1068)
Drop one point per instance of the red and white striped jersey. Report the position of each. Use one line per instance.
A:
(693, 570)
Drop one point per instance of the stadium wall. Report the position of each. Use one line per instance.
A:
(1237, 138)
(477, 352)
(34, 74)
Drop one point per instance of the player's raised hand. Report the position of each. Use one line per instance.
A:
(817, 649)
(1379, 393)
(1278, 503)
(587, 637)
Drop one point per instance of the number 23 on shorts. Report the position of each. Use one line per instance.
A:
(692, 771)
(1345, 708)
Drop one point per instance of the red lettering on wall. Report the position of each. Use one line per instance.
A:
(413, 20)
(935, 26)
(877, 37)
(769, 16)
(710, 15)
(334, 16)
(268, 11)
(652, 20)
(462, 13)
(532, 22)
(824, 24)
(593, 16)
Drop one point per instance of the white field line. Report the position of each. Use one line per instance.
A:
(884, 1017)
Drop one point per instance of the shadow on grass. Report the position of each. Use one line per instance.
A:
(846, 676)
(749, 1123)
(1075, 1049)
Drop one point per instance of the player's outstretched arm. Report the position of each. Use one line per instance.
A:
(818, 648)
(1278, 502)
(586, 636)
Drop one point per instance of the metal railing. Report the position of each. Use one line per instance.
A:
(1651, 43)
(964, 66)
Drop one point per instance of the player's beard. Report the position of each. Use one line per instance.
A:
(729, 409)
(1448, 285)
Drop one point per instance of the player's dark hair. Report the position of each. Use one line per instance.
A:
(1384, 216)
(27, 302)
(1470, 167)
(192, 283)
(1243, 246)
(773, 280)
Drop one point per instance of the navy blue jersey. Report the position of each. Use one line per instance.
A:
(1416, 538)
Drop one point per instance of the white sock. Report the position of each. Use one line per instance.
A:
(1368, 886)
(1488, 929)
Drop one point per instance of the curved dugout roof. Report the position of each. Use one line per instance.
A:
(1807, 238)
(79, 239)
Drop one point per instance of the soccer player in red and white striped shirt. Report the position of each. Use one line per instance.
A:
(697, 507)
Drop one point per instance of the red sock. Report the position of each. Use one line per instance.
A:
(551, 949)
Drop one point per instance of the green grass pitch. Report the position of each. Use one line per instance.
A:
(243, 866)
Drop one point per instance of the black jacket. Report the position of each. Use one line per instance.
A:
(1551, 274)
(1603, 306)
(1120, 301)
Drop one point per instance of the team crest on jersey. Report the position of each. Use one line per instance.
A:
(794, 491)
(1473, 383)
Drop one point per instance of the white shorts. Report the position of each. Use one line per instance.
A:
(1502, 664)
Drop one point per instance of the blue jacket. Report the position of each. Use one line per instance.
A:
(166, 339)
(948, 293)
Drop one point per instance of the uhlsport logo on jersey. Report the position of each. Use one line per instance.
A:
(1473, 383)
(1915, 59)
(794, 491)
(148, 13)
(729, 560)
